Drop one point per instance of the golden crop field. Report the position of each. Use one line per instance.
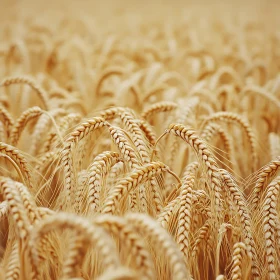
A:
(139, 140)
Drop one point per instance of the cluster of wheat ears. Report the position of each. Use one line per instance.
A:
(139, 144)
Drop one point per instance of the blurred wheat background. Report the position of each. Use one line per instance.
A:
(139, 140)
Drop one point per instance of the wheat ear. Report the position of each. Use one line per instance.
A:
(137, 139)
(41, 128)
(239, 250)
(166, 213)
(66, 122)
(261, 92)
(96, 173)
(200, 147)
(12, 196)
(148, 131)
(164, 106)
(209, 132)
(71, 142)
(163, 242)
(105, 75)
(265, 173)
(137, 177)
(184, 216)
(28, 202)
(19, 159)
(85, 232)
(243, 212)
(269, 214)
(27, 80)
(232, 117)
(20, 216)
(22, 121)
(203, 234)
(7, 120)
(120, 227)
(12, 271)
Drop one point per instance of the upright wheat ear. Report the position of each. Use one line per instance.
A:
(28, 81)
(204, 154)
(71, 142)
(96, 173)
(138, 140)
(163, 242)
(240, 203)
(28, 202)
(203, 234)
(129, 237)
(270, 220)
(184, 219)
(13, 267)
(19, 214)
(136, 134)
(125, 148)
(239, 250)
(18, 208)
(85, 232)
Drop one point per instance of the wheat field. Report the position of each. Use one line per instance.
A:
(139, 140)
